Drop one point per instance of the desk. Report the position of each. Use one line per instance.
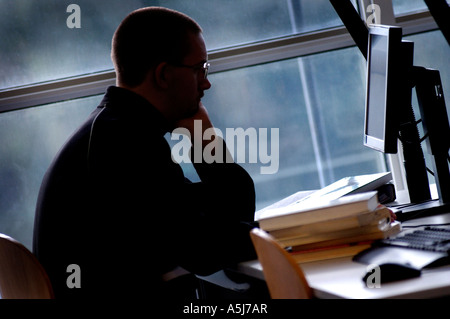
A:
(342, 278)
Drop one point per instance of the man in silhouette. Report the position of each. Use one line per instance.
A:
(114, 203)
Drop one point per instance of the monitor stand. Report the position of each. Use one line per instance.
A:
(425, 209)
(405, 210)
(433, 110)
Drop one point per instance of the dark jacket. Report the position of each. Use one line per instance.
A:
(114, 203)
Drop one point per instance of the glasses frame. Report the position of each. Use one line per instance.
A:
(204, 66)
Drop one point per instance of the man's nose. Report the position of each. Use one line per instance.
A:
(205, 84)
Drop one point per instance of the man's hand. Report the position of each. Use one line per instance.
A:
(198, 136)
(201, 114)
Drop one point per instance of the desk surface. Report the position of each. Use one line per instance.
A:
(342, 278)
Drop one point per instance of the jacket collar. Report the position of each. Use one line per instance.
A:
(129, 104)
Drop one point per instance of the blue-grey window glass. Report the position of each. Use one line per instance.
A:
(30, 139)
(408, 6)
(37, 44)
(320, 124)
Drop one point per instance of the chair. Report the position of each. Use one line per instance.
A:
(21, 274)
(284, 277)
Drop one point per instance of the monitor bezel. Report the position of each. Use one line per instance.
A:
(392, 89)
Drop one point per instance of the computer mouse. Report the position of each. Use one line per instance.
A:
(390, 272)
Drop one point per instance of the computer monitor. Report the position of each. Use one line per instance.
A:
(383, 88)
(389, 114)
(390, 117)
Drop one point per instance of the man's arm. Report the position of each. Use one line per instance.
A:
(225, 200)
(226, 183)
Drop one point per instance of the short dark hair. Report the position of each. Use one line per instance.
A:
(147, 37)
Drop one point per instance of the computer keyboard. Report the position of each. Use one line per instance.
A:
(429, 238)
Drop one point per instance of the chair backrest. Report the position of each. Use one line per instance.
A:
(284, 277)
(21, 274)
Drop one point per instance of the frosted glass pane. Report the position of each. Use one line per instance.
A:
(30, 139)
(38, 44)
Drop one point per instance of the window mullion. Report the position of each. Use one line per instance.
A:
(280, 49)
(55, 91)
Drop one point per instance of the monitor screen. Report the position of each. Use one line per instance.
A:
(383, 91)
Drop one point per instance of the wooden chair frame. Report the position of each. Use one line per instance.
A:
(21, 274)
(284, 277)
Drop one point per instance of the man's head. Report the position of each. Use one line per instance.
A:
(160, 53)
(147, 37)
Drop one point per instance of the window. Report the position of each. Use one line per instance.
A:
(235, 22)
(37, 44)
(286, 65)
(30, 139)
(319, 124)
(408, 6)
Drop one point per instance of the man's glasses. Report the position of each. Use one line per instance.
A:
(203, 66)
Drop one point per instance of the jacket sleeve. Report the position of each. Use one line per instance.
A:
(220, 217)
(228, 188)
(202, 227)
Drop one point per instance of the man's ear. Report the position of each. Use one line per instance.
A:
(161, 76)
